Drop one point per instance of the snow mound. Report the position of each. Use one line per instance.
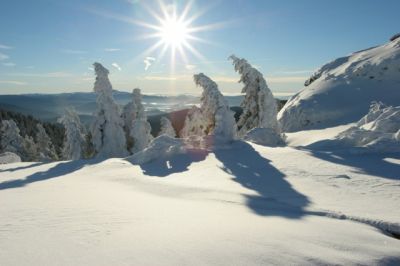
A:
(265, 136)
(378, 131)
(341, 91)
(161, 147)
(9, 157)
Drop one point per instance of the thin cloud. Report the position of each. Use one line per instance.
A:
(2, 46)
(116, 66)
(13, 82)
(59, 74)
(3, 57)
(190, 67)
(69, 51)
(9, 64)
(112, 49)
(148, 61)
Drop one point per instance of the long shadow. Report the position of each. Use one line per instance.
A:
(276, 197)
(176, 164)
(22, 167)
(364, 162)
(58, 170)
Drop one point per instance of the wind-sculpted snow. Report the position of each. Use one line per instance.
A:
(265, 136)
(377, 131)
(341, 91)
(161, 147)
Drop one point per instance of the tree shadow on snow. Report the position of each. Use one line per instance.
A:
(175, 164)
(276, 197)
(60, 169)
(22, 167)
(370, 163)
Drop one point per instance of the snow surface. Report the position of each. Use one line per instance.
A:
(341, 91)
(242, 205)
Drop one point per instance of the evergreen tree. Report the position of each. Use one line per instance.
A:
(259, 106)
(214, 116)
(45, 146)
(107, 130)
(74, 135)
(166, 128)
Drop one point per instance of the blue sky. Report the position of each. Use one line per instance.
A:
(48, 46)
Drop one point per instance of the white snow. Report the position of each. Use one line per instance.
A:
(378, 131)
(341, 91)
(242, 205)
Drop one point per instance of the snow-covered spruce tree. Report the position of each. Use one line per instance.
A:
(215, 117)
(30, 150)
(132, 110)
(74, 140)
(194, 125)
(11, 140)
(107, 129)
(141, 129)
(45, 146)
(167, 128)
(259, 105)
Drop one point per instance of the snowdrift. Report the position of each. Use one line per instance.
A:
(341, 91)
(378, 131)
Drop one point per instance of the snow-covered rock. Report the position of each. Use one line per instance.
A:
(259, 105)
(377, 131)
(341, 91)
(9, 157)
(161, 147)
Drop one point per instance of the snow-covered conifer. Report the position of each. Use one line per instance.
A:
(167, 128)
(30, 150)
(45, 146)
(259, 105)
(132, 110)
(136, 125)
(11, 140)
(74, 135)
(195, 124)
(107, 130)
(214, 116)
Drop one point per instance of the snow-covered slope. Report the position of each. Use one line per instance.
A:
(342, 90)
(243, 205)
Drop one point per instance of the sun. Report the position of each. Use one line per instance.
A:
(173, 32)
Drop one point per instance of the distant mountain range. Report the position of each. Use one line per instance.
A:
(48, 107)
